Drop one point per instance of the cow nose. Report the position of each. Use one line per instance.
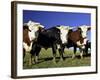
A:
(83, 46)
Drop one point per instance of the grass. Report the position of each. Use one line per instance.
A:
(45, 60)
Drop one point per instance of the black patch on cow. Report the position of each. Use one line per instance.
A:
(48, 37)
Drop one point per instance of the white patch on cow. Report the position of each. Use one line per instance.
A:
(58, 46)
(33, 33)
(63, 33)
(82, 45)
(26, 47)
(84, 29)
(78, 43)
(34, 27)
(85, 41)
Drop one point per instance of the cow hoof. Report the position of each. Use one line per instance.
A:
(61, 59)
(54, 62)
(81, 57)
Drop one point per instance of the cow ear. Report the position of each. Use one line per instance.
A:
(58, 28)
(29, 22)
(25, 26)
(89, 28)
(79, 28)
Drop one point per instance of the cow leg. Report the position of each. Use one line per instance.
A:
(54, 53)
(37, 51)
(81, 53)
(30, 60)
(75, 48)
(33, 53)
(23, 53)
(86, 49)
(61, 51)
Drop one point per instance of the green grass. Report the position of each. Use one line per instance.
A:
(45, 60)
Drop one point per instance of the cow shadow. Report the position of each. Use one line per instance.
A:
(78, 56)
(41, 60)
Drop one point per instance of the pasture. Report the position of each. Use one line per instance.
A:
(45, 60)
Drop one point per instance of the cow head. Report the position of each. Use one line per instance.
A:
(63, 33)
(34, 27)
(83, 29)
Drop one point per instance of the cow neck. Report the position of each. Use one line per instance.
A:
(26, 37)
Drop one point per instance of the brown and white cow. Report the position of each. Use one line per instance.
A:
(30, 34)
(77, 38)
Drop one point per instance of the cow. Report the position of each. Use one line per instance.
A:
(77, 38)
(30, 34)
(84, 30)
(50, 38)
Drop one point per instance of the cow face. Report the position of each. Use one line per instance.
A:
(84, 30)
(34, 28)
(63, 33)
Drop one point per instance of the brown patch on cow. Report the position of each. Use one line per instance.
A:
(25, 27)
(26, 36)
(75, 36)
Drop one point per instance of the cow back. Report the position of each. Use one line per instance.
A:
(75, 36)
(48, 37)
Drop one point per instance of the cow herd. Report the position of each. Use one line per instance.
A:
(59, 37)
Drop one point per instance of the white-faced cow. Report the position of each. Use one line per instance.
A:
(50, 38)
(78, 39)
(30, 34)
(84, 30)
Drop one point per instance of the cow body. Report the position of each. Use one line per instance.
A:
(51, 38)
(59, 35)
(75, 39)
(47, 39)
(78, 39)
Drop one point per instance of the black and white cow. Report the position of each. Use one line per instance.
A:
(50, 38)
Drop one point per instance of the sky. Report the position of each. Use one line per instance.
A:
(50, 19)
